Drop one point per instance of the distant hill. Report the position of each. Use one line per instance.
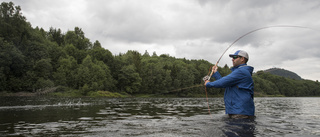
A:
(284, 73)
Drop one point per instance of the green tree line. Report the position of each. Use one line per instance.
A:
(32, 59)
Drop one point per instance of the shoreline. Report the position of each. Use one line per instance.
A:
(110, 95)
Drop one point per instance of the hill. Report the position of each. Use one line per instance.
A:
(283, 73)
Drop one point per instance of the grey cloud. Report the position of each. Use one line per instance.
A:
(194, 29)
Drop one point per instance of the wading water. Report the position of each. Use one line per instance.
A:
(47, 116)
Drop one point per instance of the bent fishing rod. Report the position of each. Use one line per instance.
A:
(207, 78)
(252, 31)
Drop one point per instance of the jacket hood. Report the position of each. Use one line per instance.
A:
(243, 66)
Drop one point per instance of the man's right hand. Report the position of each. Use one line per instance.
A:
(214, 69)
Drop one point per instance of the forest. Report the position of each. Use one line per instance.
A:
(34, 60)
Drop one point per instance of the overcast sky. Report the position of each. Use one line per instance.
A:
(194, 29)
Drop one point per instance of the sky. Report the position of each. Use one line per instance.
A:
(194, 29)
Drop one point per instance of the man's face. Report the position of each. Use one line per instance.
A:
(237, 60)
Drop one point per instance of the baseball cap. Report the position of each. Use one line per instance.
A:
(240, 53)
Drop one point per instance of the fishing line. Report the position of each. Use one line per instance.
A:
(258, 29)
(278, 26)
(208, 103)
(207, 78)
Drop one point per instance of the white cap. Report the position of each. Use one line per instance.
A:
(240, 53)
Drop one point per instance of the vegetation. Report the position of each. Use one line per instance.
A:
(277, 85)
(34, 60)
(284, 73)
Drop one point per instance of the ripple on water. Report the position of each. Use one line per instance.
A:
(159, 117)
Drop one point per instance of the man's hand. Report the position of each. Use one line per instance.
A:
(214, 69)
(205, 83)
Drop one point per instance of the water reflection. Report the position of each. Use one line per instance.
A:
(154, 117)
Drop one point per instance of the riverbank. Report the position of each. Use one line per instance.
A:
(18, 94)
(68, 94)
(108, 94)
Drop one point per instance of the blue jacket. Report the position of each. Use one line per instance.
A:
(238, 96)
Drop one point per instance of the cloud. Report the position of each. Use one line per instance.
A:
(194, 29)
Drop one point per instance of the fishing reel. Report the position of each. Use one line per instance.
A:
(206, 78)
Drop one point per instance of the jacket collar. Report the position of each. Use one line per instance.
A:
(239, 66)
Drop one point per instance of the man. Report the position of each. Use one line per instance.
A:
(238, 96)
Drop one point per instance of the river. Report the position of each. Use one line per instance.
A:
(154, 117)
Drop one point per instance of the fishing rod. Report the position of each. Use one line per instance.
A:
(207, 78)
(252, 31)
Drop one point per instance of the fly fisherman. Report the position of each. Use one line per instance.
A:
(238, 96)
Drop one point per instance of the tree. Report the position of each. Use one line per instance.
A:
(11, 59)
(104, 74)
(65, 74)
(77, 39)
(42, 84)
(3, 80)
(225, 70)
(55, 52)
(71, 50)
(146, 54)
(134, 58)
(101, 54)
(33, 59)
(43, 68)
(129, 79)
(12, 66)
(13, 26)
(154, 54)
(97, 44)
(55, 35)
(265, 86)
(93, 76)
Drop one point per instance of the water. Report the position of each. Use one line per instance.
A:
(141, 117)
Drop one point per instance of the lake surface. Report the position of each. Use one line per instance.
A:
(144, 117)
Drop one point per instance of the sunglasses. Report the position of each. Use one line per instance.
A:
(235, 57)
